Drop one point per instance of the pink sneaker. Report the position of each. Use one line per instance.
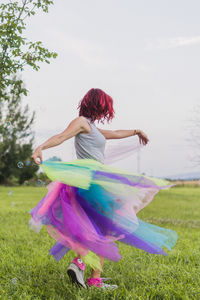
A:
(98, 281)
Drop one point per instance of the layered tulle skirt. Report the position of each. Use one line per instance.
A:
(89, 206)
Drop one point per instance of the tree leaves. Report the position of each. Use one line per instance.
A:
(16, 51)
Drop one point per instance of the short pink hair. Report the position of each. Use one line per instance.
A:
(96, 105)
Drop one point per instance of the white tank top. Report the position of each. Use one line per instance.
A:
(90, 145)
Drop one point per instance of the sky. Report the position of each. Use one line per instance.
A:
(144, 54)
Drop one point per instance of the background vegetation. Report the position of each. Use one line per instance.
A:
(16, 53)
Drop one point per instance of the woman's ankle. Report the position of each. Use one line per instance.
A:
(96, 274)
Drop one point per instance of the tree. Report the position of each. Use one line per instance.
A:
(16, 51)
(16, 142)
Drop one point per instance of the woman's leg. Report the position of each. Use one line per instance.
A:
(97, 273)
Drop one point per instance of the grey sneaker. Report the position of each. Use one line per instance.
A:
(76, 272)
(98, 282)
(109, 286)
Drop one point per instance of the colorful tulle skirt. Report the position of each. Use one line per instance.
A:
(89, 206)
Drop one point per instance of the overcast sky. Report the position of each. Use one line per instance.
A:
(144, 54)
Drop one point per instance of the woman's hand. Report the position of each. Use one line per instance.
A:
(37, 154)
(142, 137)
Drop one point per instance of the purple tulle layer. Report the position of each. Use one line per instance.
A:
(76, 221)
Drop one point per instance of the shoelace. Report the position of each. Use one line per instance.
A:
(104, 278)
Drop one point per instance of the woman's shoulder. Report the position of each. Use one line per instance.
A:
(82, 122)
(79, 119)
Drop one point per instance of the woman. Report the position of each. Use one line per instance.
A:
(90, 205)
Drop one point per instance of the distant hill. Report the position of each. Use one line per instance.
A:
(185, 176)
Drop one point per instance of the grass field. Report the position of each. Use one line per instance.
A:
(28, 272)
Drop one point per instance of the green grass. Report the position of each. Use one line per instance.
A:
(28, 272)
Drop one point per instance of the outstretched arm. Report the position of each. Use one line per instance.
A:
(78, 125)
(120, 134)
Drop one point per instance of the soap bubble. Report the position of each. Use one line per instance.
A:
(10, 193)
(12, 204)
(8, 124)
(26, 134)
(27, 162)
(39, 182)
(14, 280)
(20, 164)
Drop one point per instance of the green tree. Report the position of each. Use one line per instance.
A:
(16, 142)
(16, 51)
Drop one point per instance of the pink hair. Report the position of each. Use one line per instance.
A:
(96, 105)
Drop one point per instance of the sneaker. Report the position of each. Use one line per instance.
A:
(76, 272)
(99, 283)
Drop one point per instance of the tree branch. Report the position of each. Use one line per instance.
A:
(6, 47)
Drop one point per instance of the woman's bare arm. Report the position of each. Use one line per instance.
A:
(78, 125)
(117, 134)
(120, 134)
